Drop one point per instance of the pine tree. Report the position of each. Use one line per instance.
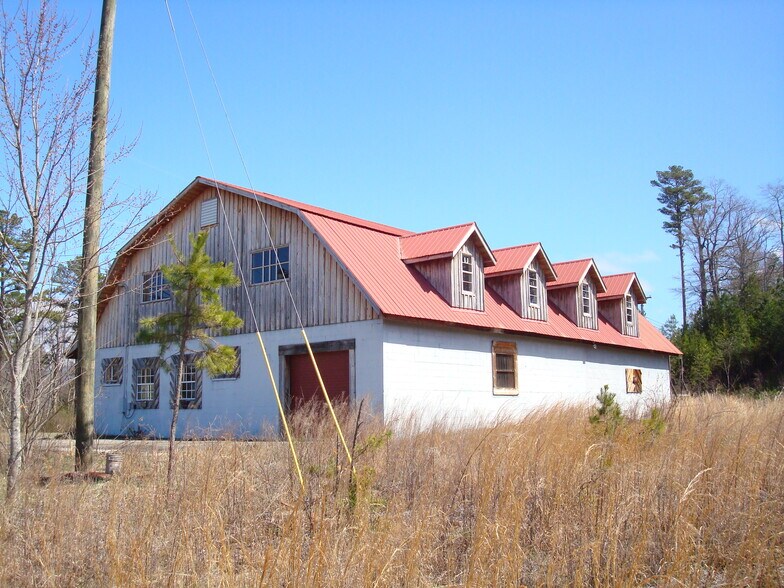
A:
(194, 282)
(680, 194)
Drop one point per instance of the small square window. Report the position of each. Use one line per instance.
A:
(112, 370)
(155, 287)
(504, 368)
(266, 266)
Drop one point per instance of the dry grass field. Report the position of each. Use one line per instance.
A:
(550, 500)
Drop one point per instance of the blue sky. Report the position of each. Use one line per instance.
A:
(540, 121)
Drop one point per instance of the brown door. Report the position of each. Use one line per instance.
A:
(304, 385)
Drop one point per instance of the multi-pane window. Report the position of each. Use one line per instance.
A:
(235, 373)
(112, 371)
(629, 310)
(155, 287)
(188, 382)
(267, 267)
(533, 287)
(504, 367)
(586, 297)
(146, 384)
(467, 272)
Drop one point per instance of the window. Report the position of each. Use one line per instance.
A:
(533, 287)
(629, 310)
(586, 299)
(504, 368)
(190, 385)
(145, 382)
(633, 381)
(266, 267)
(467, 273)
(209, 213)
(112, 369)
(155, 287)
(188, 382)
(233, 375)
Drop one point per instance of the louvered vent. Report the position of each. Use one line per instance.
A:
(209, 213)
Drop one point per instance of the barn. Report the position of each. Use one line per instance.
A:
(436, 325)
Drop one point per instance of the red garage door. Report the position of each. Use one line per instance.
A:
(304, 385)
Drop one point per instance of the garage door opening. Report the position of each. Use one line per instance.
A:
(303, 394)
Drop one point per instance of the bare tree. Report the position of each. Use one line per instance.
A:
(44, 124)
(775, 196)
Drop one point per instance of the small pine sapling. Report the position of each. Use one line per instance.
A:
(194, 282)
(608, 412)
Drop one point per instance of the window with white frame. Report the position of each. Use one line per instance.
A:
(533, 287)
(188, 382)
(504, 368)
(112, 370)
(629, 310)
(146, 385)
(266, 266)
(467, 272)
(586, 298)
(155, 287)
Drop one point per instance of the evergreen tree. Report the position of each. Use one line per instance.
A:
(198, 313)
(680, 194)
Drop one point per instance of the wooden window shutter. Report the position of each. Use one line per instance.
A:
(209, 213)
(633, 381)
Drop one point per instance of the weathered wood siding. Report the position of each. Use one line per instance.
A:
(630, 328)
(475, 300)
(591, 320)
(509, 289)
(439, 273)
(445, 275)
(615, 312)
(323, 291)
(566, 300)
(538, 312)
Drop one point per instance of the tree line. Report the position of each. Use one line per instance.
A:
(731, 282)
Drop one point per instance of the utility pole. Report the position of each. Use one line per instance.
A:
(88, 291)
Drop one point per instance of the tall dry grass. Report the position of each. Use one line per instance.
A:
(549, 500)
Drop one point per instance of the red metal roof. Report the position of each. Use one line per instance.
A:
(436, 243)
(571, 273)
(399, 291)
(515, 259)
(371, 253)
(618, 285)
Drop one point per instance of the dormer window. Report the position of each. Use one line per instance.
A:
(586, 297)
(629, 310)
(533, 287)
(467, 273)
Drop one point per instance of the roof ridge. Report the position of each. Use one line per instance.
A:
(439, 229)
(312, 209)
(517, 246)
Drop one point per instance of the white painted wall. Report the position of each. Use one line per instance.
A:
(439, 374)
(244, 407)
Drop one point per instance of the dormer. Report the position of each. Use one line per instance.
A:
(620, 303)
(453, 260)
(520, 277)
(575, 291)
